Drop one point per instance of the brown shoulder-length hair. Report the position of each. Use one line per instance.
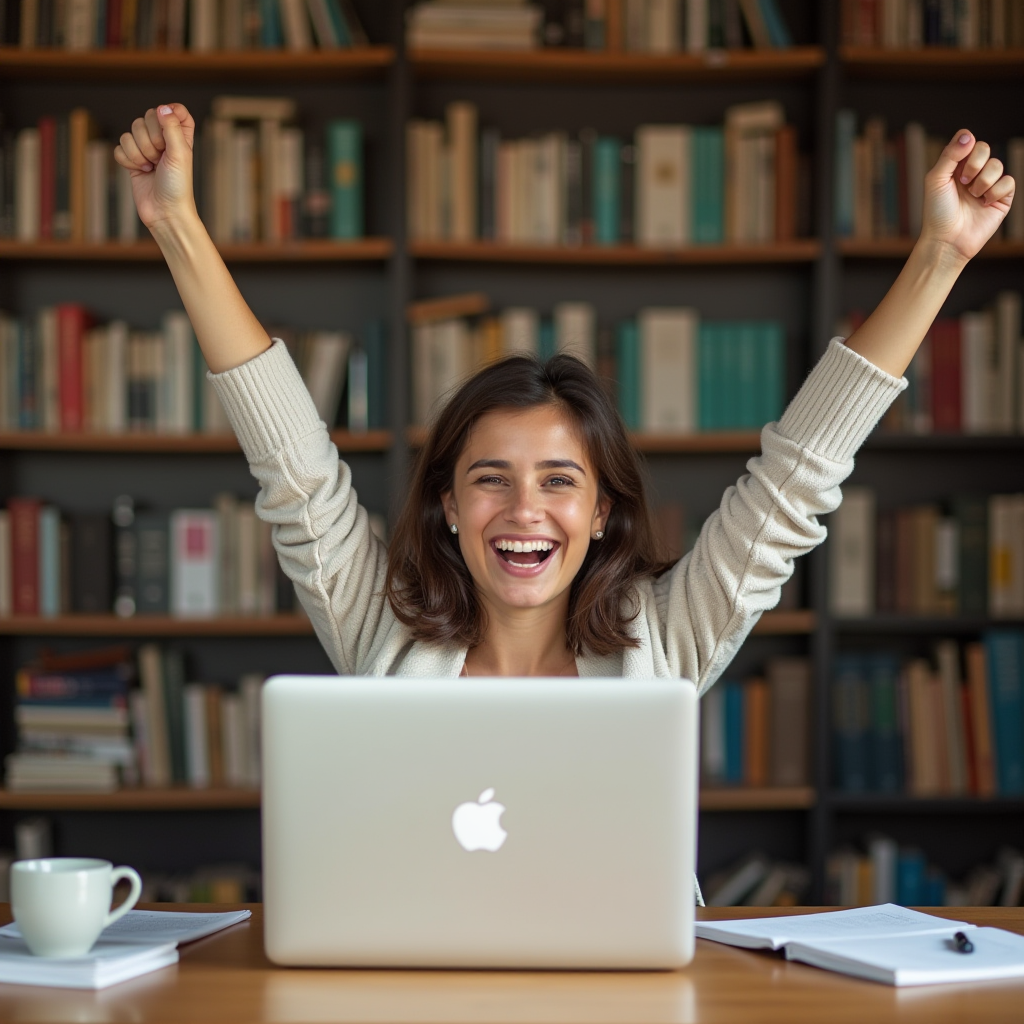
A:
(429, 586)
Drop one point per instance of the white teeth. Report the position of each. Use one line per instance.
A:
(517, 546)
(523, 545)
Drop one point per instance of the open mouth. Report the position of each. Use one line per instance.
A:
(524, 554)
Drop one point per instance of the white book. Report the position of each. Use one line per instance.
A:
(156, 764)
(462, 167)
(947, 657)
(1015, 168)
(668, 345)
(576, 331)
(48, 353)
(226, 507)
(107, 963)
(248, 559)
(422, 379)
(232, 723)
(546, 198)
(884, 854)
(80, 33)
(663, 185)
(1006, 412)
(215, 419)
(115, 356)
(325, 372)
(295, 25)
(180, 349)
(194, 562)
(432, 146)
(712, 734)
(696, 26)
(916, 144)
(203, 25)
(663, 25)
(217, 150)
(977, 341)
(231, 24)
(243, 184)
(26, 185)
(5, 563)
(291, 174)
(852, 555)
(197, 760)
(520, 331)
(451, 358)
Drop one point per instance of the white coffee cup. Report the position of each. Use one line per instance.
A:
(62, 904)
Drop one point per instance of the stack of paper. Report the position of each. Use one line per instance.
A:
(887, 943)
(141, 941)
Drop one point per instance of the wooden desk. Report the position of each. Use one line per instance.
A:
(227, 979)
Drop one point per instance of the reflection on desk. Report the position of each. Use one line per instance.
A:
(226, 978)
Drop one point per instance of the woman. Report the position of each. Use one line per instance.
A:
(525, 547)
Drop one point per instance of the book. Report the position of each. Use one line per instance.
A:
(345, 160)
(888, 944)
(668, 340)
(663, 185)
(1004, 658)
(193, 541)
(851, 550)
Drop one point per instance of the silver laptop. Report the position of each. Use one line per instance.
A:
(509, 823)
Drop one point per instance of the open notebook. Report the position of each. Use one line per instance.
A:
(887, 943)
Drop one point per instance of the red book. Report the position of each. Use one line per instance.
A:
(72, 322)
(113, 24)
(47, 175)
(785, 183)
(24, 555)
(946, 375)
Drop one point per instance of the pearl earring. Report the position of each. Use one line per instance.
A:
(453, 528)
(599, 534)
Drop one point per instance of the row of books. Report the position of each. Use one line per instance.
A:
(188, 562)
(94, 729)
(953, 726)
(757, 881)
(62, 372)
(669, 372)
(879, 180)
(756, 731)
(671, 185)
(899, 24)
(967, 376)
(196, 25)
(640, 26)
(964, 557)
(258, 178)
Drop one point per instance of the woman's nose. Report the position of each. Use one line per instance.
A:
(524, 506)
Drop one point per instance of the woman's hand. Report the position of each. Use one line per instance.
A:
(966, 196)
(158, 153)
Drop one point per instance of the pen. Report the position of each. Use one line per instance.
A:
(963, 944)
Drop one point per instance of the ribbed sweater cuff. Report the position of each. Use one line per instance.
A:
(266, 401)
(843, 398)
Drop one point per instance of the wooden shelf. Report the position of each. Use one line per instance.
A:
(917, 625)
(180, 799)
(170, 799)
(802, 250)
(747, 798)
(155, 625)
(936, 63)
(173, 444)
(899, 248)
(302, 250)
(131, 65)
(586, 66)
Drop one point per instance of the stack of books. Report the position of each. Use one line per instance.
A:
(199, 26)
(757, 881)
(671, 185)
(908, 24)
(952, 728)
(879, 181)
(756, 732)
(72, 724)
(479, 25)
(965, 556)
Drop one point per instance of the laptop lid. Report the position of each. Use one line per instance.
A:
(479, 822)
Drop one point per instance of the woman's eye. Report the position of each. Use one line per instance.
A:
(562, 481)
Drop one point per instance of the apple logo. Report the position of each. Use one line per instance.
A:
(476, 825)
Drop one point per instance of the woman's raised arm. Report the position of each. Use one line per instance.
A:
(158, 153)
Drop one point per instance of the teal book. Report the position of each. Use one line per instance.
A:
(49, 561)
(726, 383)
(376, 373)
(733, 730)
(746, 382)
(607, 191)
(708, 217)
(778, 31)
(271, 36)
(846, 133)
(339, 23)
(546, 339)
(771, 373)
(627, 364)
(851, 723)
(1004, 655)
(707, 372)
(885, 762)
(345, 160)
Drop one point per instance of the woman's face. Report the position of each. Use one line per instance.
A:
(524, 480)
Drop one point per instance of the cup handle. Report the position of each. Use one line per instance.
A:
(117, 875)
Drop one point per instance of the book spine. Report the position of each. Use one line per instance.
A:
(345, 159)
(733, 731)
(376, 375)
(629, 374)
(755, 732)
(193, 564)
(91, 566)
(196, 746)
(47, 175)
(1005, 660)
(151, 563)
(607, 191)
(24, 513)
(850, 724)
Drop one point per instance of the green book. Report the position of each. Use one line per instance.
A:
(971, 514)
(174, 705)
(707, 363)
(726, 383)
(708, 185)
(345, 160)
(771, 372)
(747, 385)
(607, 191)
(627, 363)
(546, 339)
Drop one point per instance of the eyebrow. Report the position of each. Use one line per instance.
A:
(546, 464)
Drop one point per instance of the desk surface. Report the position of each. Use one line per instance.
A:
(227, 979)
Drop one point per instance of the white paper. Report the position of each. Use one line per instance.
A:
(107, 963)
(158, 927)
(885, 921)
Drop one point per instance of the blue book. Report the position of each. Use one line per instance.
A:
(778, 32)
(546, 339)
(885, 760)
(746, 384)
(58, 687)
(846, 133)
(934, 894)
(607, 191)
(850, 724)
(910, 878)
(708, 217)
(627, 361)
(345, 161)
(1004, 653)
(271, 36)
(49, 561)
(708, 351)
(771, 372)
(339, 23)
(377, 374)
(733, 730)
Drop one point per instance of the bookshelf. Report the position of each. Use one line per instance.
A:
(806, 283)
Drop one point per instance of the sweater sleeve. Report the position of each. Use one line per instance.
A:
(709, 602)
(320, 531)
